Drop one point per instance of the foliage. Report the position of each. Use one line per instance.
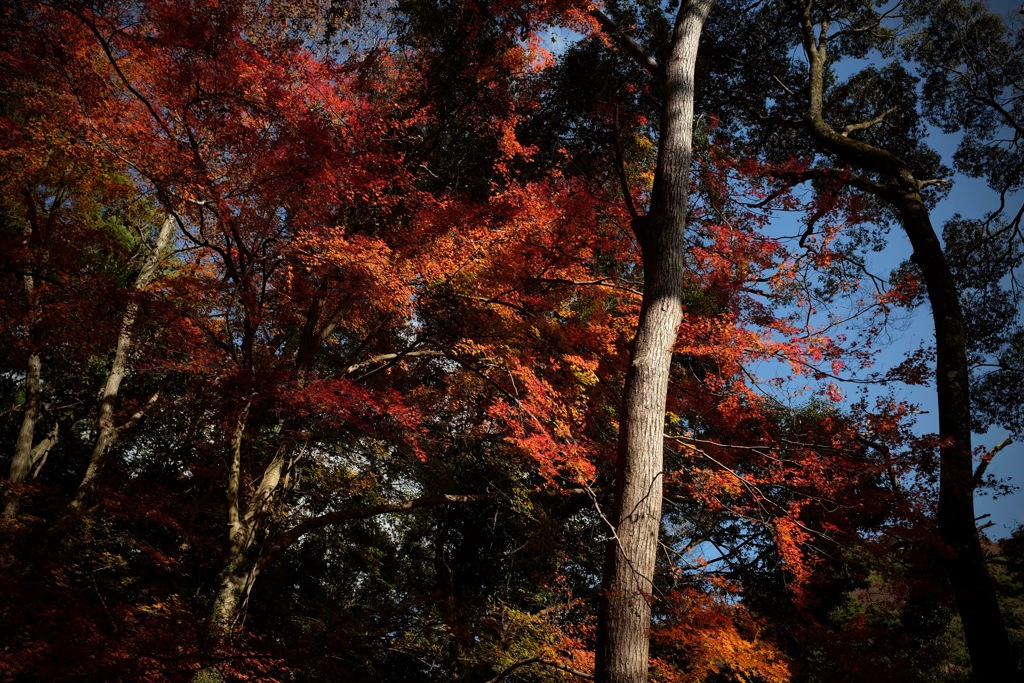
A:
(370, 408)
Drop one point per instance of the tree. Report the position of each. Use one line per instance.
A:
(622, 643)
(978, 92)
(436, 322)
(70, 203)
(878, 152)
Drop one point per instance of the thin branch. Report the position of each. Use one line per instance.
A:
(602, 282)
(105, 45)
(935, 182)
(626, 42)
(542, 660)
(987, 458)
(620, 166)
(42, 449)
(515, 665)
(355, 367)
(141, 412)
(864, 125)
(351, 514)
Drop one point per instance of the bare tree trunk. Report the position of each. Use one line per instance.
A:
(625, 613)
(959, 548)
(107, 432)
(26, 453)
(960, 552)
(241, 563)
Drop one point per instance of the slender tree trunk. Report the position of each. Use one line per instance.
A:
(241, 563)
(107, 432)
(625, 614)
(231, 589)
(23, 460)
(26, 453)
(957, 534)
(961, 552)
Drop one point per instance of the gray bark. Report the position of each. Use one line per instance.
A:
(625, 613)
(26, 453)
(107, 433)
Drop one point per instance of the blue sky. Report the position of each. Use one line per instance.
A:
(971, 198)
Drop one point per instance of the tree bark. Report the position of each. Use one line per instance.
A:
(242, 563)
(23, 460)
(26, 454)
(107, 432)
(959, 544)
(961, 553)
(625, 612)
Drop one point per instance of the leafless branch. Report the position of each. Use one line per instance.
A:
(987, 458)
(626, 42)
(620, 166)
(602, 282)
(542, 660)
(383, 357)
(864, 125)
(141, 412)
(367, 511)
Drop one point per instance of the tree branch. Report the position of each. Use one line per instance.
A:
(620, 166)
(351, 514)
(540, 659)
(141, 412)
(826, 173)
(355, 367)
(42, 449)
(626, 42)
(987, 458)
(864, 125)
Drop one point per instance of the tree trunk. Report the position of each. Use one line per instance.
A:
(107, 432)
(625, 613)
(236, 580)
(23, 460)
(26, 453)
(241, 564)
(960, 552)
(957, 534)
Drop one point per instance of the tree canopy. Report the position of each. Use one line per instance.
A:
(496, 341)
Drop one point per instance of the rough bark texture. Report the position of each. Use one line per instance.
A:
(625, 613)
(243, 562)
(23, 460)
(959, 548)
(107, 432)
(238, 570)
(27, 454)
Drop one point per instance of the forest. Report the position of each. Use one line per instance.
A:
(495, 340)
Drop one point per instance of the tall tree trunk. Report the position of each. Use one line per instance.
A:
(26, 453)
(961, 553)
(107, 432)
(959, 546)
(625, 613)
(241, 563)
